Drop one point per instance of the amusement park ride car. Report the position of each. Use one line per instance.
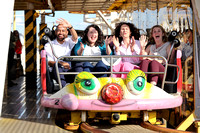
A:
(90, 98)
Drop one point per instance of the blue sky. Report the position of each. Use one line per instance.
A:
(76, 20)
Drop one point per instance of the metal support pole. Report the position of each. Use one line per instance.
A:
(30, 38)
(104, 19)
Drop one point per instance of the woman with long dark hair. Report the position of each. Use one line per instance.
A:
(92, 44)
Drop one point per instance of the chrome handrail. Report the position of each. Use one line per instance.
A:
(98, 58)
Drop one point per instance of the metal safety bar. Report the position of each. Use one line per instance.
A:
(112, 57)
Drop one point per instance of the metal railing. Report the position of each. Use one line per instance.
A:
(113, 57)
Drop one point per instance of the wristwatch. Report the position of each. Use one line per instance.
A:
(70, 27)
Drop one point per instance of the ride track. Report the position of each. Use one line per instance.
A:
(86, 128)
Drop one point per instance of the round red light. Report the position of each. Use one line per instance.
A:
(112, 93)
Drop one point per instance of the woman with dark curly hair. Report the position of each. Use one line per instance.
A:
(134, 31)
(159, 45)
(126, 42)
(92, 44)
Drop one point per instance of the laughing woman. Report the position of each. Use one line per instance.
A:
(126, 42)
(159, 46)
(92, 44)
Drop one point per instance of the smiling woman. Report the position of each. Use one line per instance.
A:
(92, 44)
(160, 47)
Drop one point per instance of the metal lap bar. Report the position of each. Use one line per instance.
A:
(174, 82)
(98, 58)
(170, 82)
(48, 39)
(170, 51)
(85, 59)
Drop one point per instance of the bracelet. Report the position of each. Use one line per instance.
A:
(70, 27)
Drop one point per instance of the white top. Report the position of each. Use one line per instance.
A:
(127, 51)
(92, 50)
(162, 50)
(60, 49)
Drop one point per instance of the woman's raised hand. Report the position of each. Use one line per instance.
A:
(82, 46)
(143, 41)
(108, 40)
(116, 41)
(132, 44)
(80, 51)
